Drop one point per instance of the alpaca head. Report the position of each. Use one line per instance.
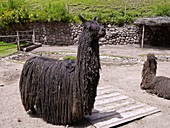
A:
(149, 71)
(96, 30)
(151, 56)
(152, 64)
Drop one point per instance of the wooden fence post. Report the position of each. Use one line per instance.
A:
(143, 34)
(33, 37)
(125, 7)
(18, 41)
(67, 7)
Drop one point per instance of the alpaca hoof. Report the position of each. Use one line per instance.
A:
(33, 111)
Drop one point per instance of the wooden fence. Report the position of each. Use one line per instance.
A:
(22, 36)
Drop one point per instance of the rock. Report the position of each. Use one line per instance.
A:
(109, 26)
(114, 33)
(19, 120)
(102, 39)
(1, 85)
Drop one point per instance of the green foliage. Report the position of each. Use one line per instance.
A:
(56, 12)
(52, 11)
(108, 11)
(13, 11)
(19, 11)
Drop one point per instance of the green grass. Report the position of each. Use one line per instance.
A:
(108, 11)
(69, 57)
(7, 49)
(116, 56)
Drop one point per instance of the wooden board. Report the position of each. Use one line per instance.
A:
(30, 47)
(113, 108)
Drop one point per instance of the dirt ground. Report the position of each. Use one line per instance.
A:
(121, 69)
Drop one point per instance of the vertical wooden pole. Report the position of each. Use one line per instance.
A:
(143, 34)
(125, 8)
(33, 37)
(67, 7)
(18, 41)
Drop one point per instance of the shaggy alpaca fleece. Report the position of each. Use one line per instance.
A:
(63, 91)
(159, 85)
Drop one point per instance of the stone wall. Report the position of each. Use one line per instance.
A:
(114, 35)
(52, 33)
(67, 34)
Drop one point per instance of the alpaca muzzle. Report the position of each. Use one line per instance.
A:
(102, 32)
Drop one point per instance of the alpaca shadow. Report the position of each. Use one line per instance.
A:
(86, 121)
(104, 116)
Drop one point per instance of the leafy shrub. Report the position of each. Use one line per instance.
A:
(13, 11)
(18, 11)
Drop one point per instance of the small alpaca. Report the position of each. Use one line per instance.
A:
(159, 85)
(63, 91)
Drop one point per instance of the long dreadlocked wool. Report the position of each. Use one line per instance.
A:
(159, 85)
(63, 91)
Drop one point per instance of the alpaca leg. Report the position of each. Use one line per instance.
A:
(33, 110)
(150, 91)
(160, 95)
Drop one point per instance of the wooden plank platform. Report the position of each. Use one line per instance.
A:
(113, 108)
(30, 47)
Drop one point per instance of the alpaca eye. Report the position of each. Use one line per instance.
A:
(89, 27)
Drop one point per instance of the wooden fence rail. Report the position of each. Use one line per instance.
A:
(6, 36)
(19, 35)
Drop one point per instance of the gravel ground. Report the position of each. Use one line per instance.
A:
(121, 69)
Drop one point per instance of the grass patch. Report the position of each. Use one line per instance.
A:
(69, 57)
(7, 49)
(142, 55)
(113, 56)
(145, 55)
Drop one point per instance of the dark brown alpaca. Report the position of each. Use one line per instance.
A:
(158, 85)
(63, 91)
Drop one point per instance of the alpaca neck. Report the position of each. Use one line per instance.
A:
(88, 54)
(87, 70)
(147, 77)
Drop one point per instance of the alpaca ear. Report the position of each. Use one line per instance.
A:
(95, 18)
(155, 58)
(81, 18)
